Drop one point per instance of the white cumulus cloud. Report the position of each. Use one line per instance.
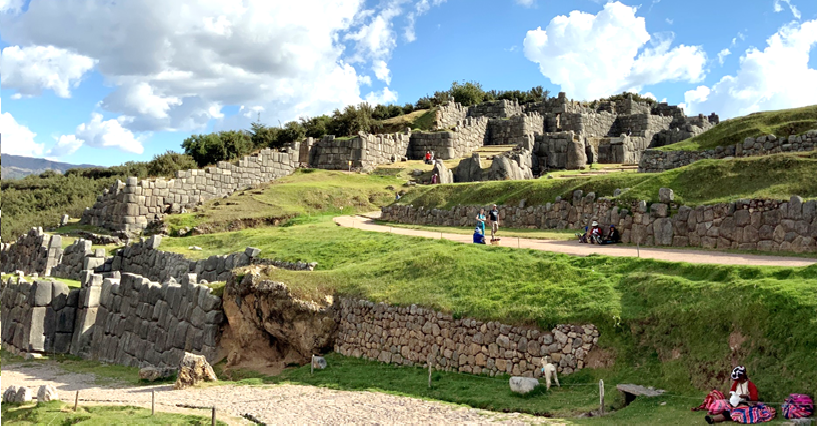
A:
(592, 56)
(30, 70)
(526, 3)
(381, 71)
(18, 139)
(11, 6)
(420, 8)
(383, 97)
(101, 133)
(778, 7)
(773, 78)
(723, 54)
(66, 145)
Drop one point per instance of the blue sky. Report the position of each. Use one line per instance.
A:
(81, 92)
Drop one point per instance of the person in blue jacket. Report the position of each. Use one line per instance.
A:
(479, 237)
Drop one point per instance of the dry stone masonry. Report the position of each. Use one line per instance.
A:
(34, 252)
(129, 207)
(364, 151)
(767, 225)
(654, 161)
(466, 137)
(78, 257)
(410, 335)
(38, 316)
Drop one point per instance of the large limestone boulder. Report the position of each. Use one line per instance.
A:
(576, 155)
(194, 369)
(666, 195)
(469, 169)
(444, 175)
(523, 384)
(268, 325)
(47, 393)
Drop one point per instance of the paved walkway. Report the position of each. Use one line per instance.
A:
(574, 248)
(278, 404)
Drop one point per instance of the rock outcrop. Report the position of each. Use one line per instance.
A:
(194, 369)
(267, 322)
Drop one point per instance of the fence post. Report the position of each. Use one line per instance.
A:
(430, 363)
(638, 249)
(312, 365)
(213, 418)
(601, 396)
(76, 401)
(153, 402)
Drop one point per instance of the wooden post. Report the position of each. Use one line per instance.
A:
(76, 401)
(429, 371)
(312, 365)
(638, 249)
(601, 396)
(153, 402)
(518, 244)
(213, 418)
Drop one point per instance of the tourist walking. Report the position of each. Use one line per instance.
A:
(493, 215)
(481, 220)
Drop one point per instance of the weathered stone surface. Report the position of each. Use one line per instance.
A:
(151, 374)
(523, 384)
(10, 394)
(666, 195)
(639, 390)
(318, 362)
(24, 394)
(193, 370)
(47, 393)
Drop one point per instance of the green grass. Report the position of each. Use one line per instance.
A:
(308, 192)
(534, 234)
(57, 412)
(69, 283)
(646, 309)
(782, 122)
(422, 119)
(776, 176)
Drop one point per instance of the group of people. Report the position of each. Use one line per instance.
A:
(493, 220)
(594, 234)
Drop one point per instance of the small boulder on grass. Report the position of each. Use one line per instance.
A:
(318, 362)
(523, 385)
(24, 394)
(47, 393)
(151, 374)
(194, 369)
(10, 394)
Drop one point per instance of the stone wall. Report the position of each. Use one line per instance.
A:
(558, 150)
(78, 257)
(364, 151)
(653, 161)
(511, 165)
(129, 207)
(625, 150)
(33, 253)
(515, 130)
(767, 225)
(410, 335)
(502, 108)
(38, 317)
(448, 115)
(596, 125)
(468, 136)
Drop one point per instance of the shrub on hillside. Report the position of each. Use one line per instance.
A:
(215, 147)
(169, 163)
(469, 93)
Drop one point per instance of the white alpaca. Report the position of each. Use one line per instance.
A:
(549, 370)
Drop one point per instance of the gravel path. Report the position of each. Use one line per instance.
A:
(279, 404)
(576, 249)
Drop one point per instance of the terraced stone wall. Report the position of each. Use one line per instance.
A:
(767, 225)
(414, 336)
(653, 161)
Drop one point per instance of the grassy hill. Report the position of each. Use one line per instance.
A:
(784, 122)
(704, 182)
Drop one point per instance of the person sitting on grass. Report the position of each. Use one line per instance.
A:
(595, 233)
(479, 237)
(613, 237)
(745, 390)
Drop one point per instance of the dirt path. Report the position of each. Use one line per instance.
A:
(279, 404)
(574, 248)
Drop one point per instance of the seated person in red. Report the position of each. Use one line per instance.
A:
(746, 390)
(595, 233)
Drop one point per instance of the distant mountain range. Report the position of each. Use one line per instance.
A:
(17, 166)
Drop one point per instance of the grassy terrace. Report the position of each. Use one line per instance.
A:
(60, 413)
(704, 182)
(307, 192)
(648, 311)
(782, 122)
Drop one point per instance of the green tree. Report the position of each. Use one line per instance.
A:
(395, 110)
(381, 112)
(169, 163)
(469, 93)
